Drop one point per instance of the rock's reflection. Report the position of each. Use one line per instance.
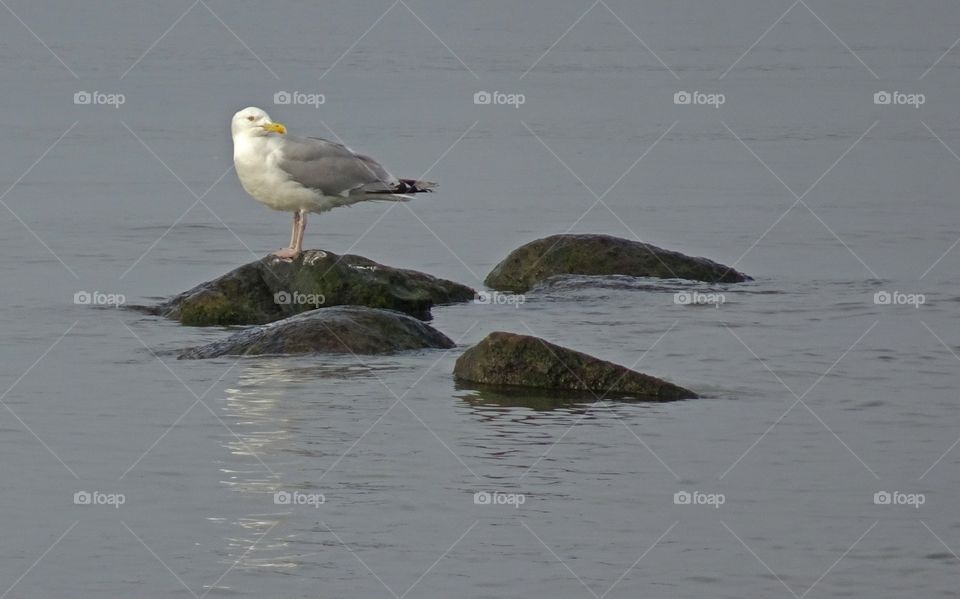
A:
(481, 396)
(539, 400)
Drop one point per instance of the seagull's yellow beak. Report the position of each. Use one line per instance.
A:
(275, 128)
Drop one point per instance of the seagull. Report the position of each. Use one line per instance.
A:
(307, 174)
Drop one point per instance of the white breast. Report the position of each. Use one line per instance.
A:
(255, 161)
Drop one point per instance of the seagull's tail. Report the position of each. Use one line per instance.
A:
(403, 191)
(409, 186)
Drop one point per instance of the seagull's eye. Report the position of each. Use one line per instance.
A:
(251, 118)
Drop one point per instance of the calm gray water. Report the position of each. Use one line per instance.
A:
(816, 397)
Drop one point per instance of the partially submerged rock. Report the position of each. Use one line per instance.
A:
(601, 255)
(342, 329)
(270, 289)
(511, 360)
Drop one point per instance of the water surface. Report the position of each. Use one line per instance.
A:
(815, 397)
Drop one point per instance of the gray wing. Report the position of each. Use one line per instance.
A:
(332, 168)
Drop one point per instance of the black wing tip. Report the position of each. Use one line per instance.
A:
(414, 186)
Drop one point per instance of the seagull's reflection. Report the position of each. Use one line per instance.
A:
(260, 429)
(265, 415)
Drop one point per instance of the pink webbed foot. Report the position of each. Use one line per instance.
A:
(286, 253)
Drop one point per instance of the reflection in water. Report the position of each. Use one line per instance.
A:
(483, 396)
(511, 415)
(265, 428)
(562, 286)
(531, 422)
(259, 430)
(497, 399)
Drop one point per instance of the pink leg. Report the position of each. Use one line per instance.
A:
(293, 231)
(301, 227)
(293, 250)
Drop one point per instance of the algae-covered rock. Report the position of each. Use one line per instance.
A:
(511, 360)
(271, 288)
(601, 255)
(342, 329)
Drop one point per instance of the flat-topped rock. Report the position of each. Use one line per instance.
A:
(342, 329)
(600, 255)
(517, 361)
(271, 289)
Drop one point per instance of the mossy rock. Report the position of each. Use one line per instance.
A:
(342, 329)
(600, 255)
(520, 361)
(271, 289)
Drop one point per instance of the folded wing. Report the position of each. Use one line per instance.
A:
(332, 168)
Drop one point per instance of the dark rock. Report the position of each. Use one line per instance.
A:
(342, 329)
(508, 359)
(270, 289)
(601, 255)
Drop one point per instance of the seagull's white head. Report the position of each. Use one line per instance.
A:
(254, 121)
